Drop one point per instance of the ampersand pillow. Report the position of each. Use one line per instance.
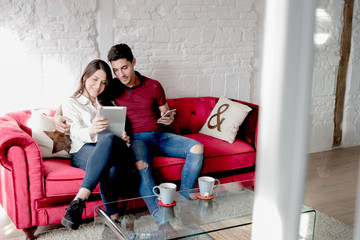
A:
(51, 142)
(225, 119)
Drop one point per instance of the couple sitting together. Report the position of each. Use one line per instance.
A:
(107, 160)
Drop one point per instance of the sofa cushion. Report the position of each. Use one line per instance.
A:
(52, 143)
(225, 119)
(61, 178)
(218, 156)
(214, 147)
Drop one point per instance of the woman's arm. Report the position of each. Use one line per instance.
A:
(99, 124)
(60, 121)
(86, 123)
(81, 121)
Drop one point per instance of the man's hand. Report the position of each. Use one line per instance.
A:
(60, 124)
(167, 120)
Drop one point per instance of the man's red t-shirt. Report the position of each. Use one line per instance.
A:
(142, 102)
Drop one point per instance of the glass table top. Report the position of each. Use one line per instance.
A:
(230, 207)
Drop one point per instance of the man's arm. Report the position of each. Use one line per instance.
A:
(164, 108)
(60, 121)
(166, 120)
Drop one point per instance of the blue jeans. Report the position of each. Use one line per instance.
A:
(145, 144)
(104, 163)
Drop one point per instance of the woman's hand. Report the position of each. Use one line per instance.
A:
(61, 125)
(99, 124)
(125, 137)
(61, 122)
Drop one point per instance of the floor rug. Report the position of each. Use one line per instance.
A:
(326, 228)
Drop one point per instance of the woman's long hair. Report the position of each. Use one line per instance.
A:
(91, 68)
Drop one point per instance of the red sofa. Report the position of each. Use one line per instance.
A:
(35, 191)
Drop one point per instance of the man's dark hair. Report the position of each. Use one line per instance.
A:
(120, 51)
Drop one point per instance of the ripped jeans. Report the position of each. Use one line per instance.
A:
(171, 145)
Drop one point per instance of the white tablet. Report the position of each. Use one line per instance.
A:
(116, 117)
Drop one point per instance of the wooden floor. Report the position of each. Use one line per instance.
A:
(331, 184)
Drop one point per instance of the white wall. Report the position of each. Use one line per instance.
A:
(328, 29)
(194, 47)
(44, 46)
(351, 126)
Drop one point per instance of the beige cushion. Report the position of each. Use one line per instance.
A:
(225, 119)
(51, 142)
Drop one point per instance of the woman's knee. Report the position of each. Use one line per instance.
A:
(197, 149)
(110, 140)
(107, 138)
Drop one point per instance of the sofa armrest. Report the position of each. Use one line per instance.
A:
(248, 129)
(21, 173)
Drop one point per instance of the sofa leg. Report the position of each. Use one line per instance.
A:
(29, 232)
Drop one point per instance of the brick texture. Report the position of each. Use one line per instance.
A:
(194, 47)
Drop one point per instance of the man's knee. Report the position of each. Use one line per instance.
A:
(197, 149)
(141, 164)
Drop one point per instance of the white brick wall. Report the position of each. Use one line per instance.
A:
(326, 61)
(44, 46)
(351, 126)
(194, 47)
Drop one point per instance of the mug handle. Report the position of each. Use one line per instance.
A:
(154, 188)
(218, 184)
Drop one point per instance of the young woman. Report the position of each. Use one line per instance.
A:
(106, 159)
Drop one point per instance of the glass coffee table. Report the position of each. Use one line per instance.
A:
(228, 215)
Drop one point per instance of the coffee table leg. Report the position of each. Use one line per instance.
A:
(113, 226)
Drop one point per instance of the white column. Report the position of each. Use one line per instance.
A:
(351, 70)
(284, 117)
(105, 27)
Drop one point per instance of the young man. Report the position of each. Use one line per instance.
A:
(146, 102)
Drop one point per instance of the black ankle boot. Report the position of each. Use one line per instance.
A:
(73, 214)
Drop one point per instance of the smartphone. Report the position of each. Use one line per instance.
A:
(168, 113)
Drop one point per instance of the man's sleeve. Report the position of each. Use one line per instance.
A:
(160, 94)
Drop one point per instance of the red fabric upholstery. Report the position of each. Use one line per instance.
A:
(192, 113)
(214, 147)
(35, 192)
(61, 179)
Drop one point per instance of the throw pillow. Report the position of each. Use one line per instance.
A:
(225, 119)
(51, 142)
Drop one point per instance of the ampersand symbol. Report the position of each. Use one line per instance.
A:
(218, 121)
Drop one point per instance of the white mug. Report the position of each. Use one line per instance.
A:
(206, 185)
(167, 192)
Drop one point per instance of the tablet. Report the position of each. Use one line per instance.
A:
(116, 117)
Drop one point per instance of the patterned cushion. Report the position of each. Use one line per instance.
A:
(225, 119)
(51, 142)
